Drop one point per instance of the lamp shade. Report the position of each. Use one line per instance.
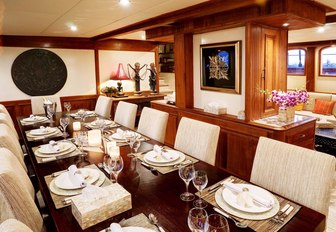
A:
(120, 74)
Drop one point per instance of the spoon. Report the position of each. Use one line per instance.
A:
(237, 223)
(154, 221)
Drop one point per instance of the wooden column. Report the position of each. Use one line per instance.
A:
(310, 69)
(183, 55)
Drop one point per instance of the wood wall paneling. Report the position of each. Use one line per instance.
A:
(310, 69)
(125, 45)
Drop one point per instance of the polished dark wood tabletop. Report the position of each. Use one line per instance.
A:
(151, 192)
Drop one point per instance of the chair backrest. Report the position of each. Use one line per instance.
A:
(153, 123)
(299, 174)
(37, 103)
(9, 141)
(13, 225)
(103, 106)
(9, 162)
(16, 202)
(125, 114)
(8, 121)
(4, 110)
(198, 139)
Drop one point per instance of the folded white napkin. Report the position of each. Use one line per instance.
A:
(76, 176)
(259, 200)
(32, 117)
(53, 146)
(162, 152)
(44, 129)
(115, 227)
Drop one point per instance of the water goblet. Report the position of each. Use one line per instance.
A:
(115, 165)
(64, 122)
(198, 220)
(82, 139)
(218, 223)
(133, 140)
(82, 114)
(187, 173)
(200, 181)
(51, 110)
(67, 106)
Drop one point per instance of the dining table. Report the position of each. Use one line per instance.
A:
(151, 191)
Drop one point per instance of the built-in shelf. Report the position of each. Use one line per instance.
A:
(166, 58)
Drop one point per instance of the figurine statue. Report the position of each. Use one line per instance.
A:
(152, 78)
(137, 76)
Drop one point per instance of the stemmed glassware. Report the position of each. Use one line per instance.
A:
(82, 139)
(82, 114)
(187, 173)
(133, 140)
(115, 165)
(51, 110)
(198, 220)
(218, 223)
(200, 181)
(64, 122)
(67, 106)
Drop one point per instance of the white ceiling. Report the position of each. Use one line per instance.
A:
(95, 17)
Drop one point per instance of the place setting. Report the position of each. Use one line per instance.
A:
(164, 159)
(121, 137)
(82, 113)
(65, 184)
(33, 119)
(100, 123)
(55, 150)
(43, 132)
(249, 205)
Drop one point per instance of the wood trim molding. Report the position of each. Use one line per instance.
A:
(310, 69)
(96, 56)
(125, 45)
(312, 44)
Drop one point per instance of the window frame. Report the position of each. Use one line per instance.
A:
(320, 62)
(305, 62)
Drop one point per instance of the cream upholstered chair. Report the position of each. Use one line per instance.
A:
(103, 106)
(8, 121)
(153, 123)
(8, 116)
(299, 174)
(37, 103)
(125, 114)
(13, 225)
(8, 140)
(198, 139)
(16, 202)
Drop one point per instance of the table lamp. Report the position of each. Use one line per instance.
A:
(119, 76)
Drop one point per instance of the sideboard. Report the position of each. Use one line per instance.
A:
(238, 138)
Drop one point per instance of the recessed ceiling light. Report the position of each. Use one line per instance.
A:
(73, 28)
(321, 29)
(285, 24)
(124, 2)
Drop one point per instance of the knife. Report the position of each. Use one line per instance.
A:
(213, 188)
(148, 166)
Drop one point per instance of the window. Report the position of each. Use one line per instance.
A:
(328, 61)
(296, 62)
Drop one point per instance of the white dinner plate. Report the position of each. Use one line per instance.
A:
(45, 149)
(45, 131)
(42, 155)
(136, 229)
(107, 122)
(63, 181)
(231, 198)
(35, 119)
(118, 136)
(157, 158)
(179, 160)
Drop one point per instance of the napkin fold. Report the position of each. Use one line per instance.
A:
(44, 129)
(259, 200)
(53, 146)
(76, 176)
(115, 227)
(159, 150)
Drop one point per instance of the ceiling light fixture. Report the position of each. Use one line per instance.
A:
(124, 2)
(285, 24)
(73, 28)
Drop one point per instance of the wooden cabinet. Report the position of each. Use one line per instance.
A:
(166, 58)
(238, 139)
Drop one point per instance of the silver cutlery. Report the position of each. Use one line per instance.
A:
(214, 188)
(153, 220)
(237, 223)
(55, 174)
(279, 214)
(283, 217)
(148, 166)
(182, 163)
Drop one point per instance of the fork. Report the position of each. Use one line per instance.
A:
(276, 218)
(288, 211)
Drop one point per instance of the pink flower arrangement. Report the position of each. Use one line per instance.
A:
(288, 99)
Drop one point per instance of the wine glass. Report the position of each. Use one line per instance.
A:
(115, 165)
(198, 220)
(100, 122)
(133, 140)
(218, 223)
(51, 110)
(64, 122)
(67, 106)
(200, 181)
(82, 138)
(82, 114)
(187, 173)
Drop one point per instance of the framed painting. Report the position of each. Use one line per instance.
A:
(221, 67)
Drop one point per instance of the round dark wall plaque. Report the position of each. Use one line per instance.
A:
(39, 72)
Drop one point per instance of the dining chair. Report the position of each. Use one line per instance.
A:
(37, 103)
(103, 106)
(198, 139)
(153, 123)
(17, 203)
(9, 141)
(8, 121)
(125, 114)
(13, 225)
(299, 174)
(4, 110)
